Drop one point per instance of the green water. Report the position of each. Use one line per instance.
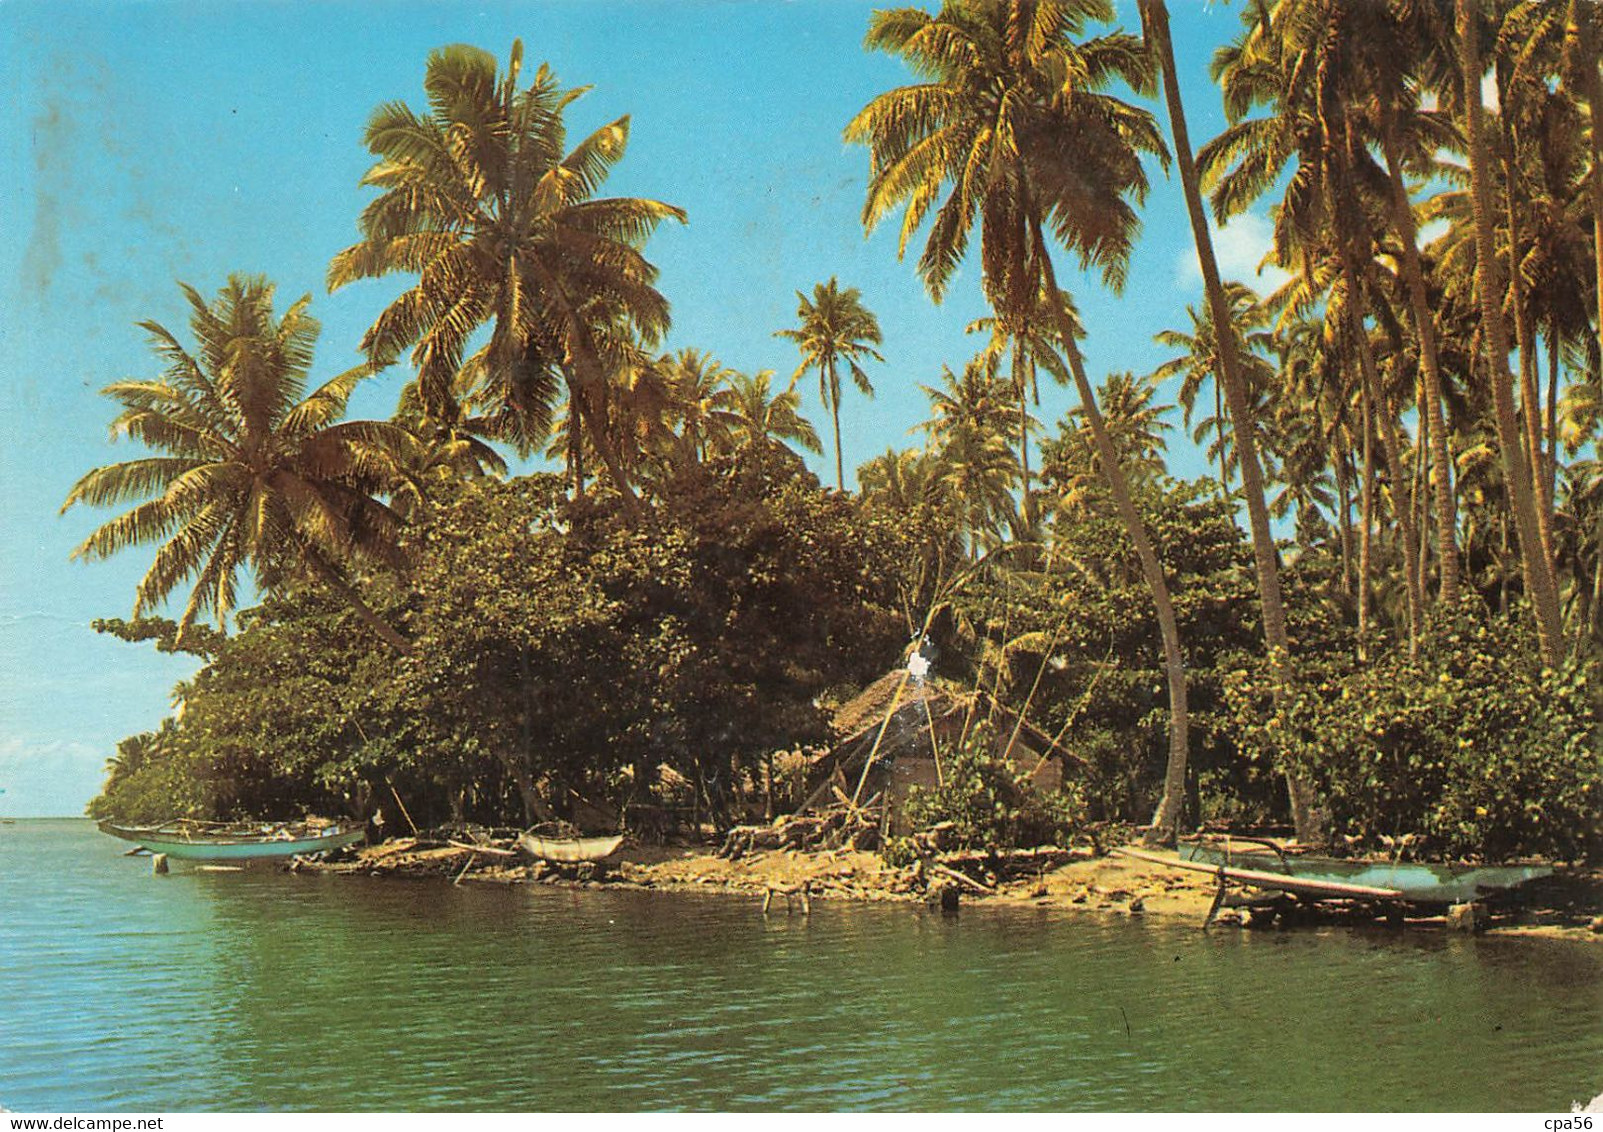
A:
(265, 990)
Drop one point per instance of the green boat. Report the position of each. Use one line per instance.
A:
(1415, 881)
(239, 841)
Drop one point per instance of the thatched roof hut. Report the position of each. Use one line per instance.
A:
(900, 727)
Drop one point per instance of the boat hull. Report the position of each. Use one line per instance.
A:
(569, 850)
(1415, 881)
(200, 846)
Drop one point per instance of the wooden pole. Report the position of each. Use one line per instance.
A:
(404, 814)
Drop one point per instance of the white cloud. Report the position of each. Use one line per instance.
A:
(1489, 98)
(1239, 247)
(49, 779)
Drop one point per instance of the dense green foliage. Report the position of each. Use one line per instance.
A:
(433, 634)
(562, 651)
(1472, 747)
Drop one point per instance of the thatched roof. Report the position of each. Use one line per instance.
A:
(916, 704)
(870, 706)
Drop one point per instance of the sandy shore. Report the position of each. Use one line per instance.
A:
(1563, 907)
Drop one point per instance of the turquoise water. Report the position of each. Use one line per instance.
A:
(259, 990)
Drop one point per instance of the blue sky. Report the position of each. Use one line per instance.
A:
(145, 143)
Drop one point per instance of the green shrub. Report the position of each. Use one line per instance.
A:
(987, 804)
(1472, 746)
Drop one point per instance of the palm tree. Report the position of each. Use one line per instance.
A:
(1291, 60)
(967, 432)
(694, 382)
(1028, 336)
(761, 418)
(1540, 583)
(1013, 125)
(483, 202)
(835, 328)
(1134, 424)
(1565, 40)
(442, 452)
(254, 472)
(973, 400)
(902, 482)
(1199, 361)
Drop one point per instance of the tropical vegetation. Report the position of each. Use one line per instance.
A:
(1380, 617)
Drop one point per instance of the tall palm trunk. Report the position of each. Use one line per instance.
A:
(1219, 439)
(1550, 458)
(1166, 821)
(1155, 22)
(1540, 583)
(1525, 342)
(1344, 504)
(1422, 484)
(1434, 422)
(832, 395)
(585, 377)
(1591, 84)
(1391, 445)
(1366, 535)
(1019, 381)
(575, 448)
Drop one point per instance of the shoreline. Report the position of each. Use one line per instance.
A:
(1565, 907)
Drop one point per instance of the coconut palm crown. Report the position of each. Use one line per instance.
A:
(834, 328)
(1012, 124)
(253, 472)
(482, 200)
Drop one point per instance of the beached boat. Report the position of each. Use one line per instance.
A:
(1416, 882)
(569, 850)
(238, 841)
(1314, 889)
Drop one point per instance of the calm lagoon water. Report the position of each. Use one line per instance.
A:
(269, 991)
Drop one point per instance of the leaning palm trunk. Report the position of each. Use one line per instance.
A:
(1591, 84)
(1525, 342)
(1166, 821)
(331, 578)
(1433, 422)
(1021, 384)
(1537, 568)
(1366, 535)
(583, 414)
(1155, 22)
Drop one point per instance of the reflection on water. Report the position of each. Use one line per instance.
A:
(264, 990)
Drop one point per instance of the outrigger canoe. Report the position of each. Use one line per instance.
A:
(239, 841)
(1415, 882)
(569, 850)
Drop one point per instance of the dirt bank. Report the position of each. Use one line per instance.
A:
(1084, 883)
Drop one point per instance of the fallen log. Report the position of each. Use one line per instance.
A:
(953, 874)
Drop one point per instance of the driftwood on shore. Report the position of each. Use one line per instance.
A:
(840, 828)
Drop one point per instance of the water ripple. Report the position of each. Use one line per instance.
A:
(266, 991)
